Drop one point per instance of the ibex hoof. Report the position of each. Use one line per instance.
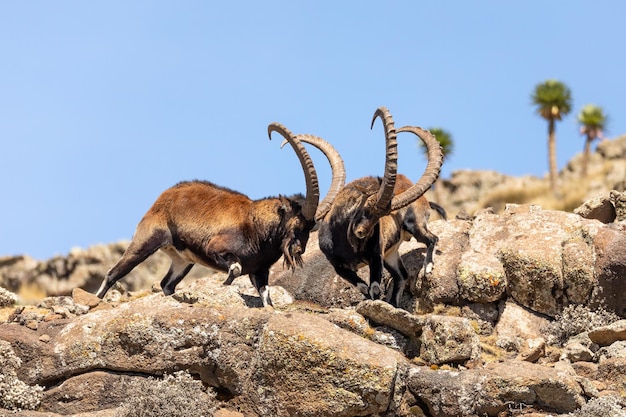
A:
(264, 292)
(375, 291)
(233, 272)
(235, 269)
(363, 288)
(428, 269)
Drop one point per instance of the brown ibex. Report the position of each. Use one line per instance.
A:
(370, 217)
(200, 222)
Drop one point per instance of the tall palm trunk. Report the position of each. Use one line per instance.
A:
(552, 153)
(586, 156)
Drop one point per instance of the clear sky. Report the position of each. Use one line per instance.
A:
(105, 104)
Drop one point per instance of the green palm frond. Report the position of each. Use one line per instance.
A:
(592, 117)
(553, 99)
(444, 138)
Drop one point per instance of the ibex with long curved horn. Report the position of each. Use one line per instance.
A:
(200, 222)
(368, 218)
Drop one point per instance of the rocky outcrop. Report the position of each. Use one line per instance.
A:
(471, 339)
(470, 191)
(81, 268)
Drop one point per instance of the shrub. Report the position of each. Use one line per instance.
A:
(175, 395)
(7, 298)
(15, 394)
(601, 407)
(576, 319)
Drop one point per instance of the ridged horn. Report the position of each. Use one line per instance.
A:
(380, 203)
(431, 172)
(337, 167)
(312, 186)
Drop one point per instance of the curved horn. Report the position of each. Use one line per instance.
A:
(336, 165)
(312, 185)
(431, 172)
(380, 202)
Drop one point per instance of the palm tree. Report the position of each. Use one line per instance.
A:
(447, 146)
(553, 100)
(445, 140)
(593, 121)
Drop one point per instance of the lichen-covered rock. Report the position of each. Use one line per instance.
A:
(447, 339)
(7, 298)
(618, 199)
(384, 313)
(578, 269)
(517, 324)
(480, 275)
(239, 349)
(610, 267)
(442, 285)
(489, 390)
(306, 367)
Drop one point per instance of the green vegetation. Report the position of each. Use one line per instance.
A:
(445, 140)
(593, 122)
(447, 146)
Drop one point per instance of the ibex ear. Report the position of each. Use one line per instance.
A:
(288, 204)
(285, 204)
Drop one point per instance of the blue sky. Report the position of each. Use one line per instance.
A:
(105, 104)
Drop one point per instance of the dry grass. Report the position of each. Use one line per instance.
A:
(569, 196)
(30, 294)
(5, 313)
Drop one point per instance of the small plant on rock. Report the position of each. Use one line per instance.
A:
(14, 394)
(7, 298)
(175, 395)
(576, 319)
(601, 407)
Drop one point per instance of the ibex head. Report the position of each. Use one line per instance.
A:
(302, 219)
(378, 203)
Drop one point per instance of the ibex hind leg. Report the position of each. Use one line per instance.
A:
(178, 270)
(137, 252)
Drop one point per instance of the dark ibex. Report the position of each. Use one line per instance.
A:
(200, 222)
(370, 217)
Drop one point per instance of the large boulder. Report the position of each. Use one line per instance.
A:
(490, 391)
